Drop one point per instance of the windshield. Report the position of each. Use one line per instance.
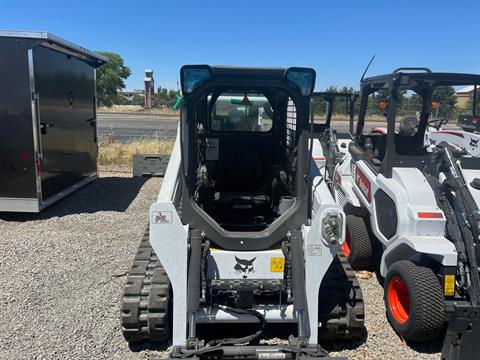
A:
(250, 112)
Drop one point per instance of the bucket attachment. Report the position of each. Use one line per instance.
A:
(463, 332)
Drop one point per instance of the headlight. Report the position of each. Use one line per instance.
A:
(332, 228)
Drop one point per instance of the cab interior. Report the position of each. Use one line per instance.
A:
(245, 155)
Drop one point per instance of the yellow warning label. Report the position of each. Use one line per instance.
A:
(277, 264)
(449, 285)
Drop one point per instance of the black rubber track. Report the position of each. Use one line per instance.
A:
(427, 304)
(145, 311)
(341, 307)
(360, 243)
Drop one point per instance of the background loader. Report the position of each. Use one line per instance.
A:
(417, 203)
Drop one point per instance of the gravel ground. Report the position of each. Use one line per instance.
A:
(62, 274)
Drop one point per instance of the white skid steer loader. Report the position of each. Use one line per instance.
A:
(245, 232)
(418, 203)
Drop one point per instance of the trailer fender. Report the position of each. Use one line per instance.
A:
(169, 240)
(407, 247)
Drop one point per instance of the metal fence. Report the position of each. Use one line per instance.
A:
(155, 132)
(134, 102)
(449, 113)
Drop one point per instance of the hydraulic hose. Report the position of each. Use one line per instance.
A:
(245, 339)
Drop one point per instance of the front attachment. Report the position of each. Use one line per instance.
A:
(461, 339)
(244, 352)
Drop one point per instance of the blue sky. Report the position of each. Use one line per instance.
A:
(337, 38)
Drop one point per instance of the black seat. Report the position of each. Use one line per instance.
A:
(408, 126)
(241, 182)
(243, 201)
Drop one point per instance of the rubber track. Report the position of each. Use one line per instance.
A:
(146, 300)
(341, 307)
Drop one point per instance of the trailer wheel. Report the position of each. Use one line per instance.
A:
(357, 247)
(414, 301)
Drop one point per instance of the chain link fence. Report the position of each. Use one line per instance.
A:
(449, 113)
(134, 102)
(117, 147)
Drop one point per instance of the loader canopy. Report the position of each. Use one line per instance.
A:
(401, 143)
(336, 106)
(245, 156)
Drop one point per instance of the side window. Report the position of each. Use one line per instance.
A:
(235, 112)
(291, 135)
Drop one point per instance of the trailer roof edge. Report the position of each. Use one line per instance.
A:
(53, 39)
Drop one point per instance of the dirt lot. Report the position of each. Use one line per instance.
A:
(62, 274)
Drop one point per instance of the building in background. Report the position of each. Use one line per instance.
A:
(463, 95)
(149, 88)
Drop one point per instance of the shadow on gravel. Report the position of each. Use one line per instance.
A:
(340, 345)
(103, 194)
(144, 346)
(431, 347)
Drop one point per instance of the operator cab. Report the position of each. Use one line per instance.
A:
(404, 99)
(245, 143)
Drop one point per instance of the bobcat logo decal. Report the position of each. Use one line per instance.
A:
(474, 143)
(244, 267)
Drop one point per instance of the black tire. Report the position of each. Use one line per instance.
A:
(425, 304)
(358, 243)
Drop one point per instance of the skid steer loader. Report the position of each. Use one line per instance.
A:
(245, 232)
(419, 204)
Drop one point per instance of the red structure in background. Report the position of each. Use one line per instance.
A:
(149, 88)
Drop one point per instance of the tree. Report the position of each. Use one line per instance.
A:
(445, 96)
(137, 100)
(165, 97)
(331, 88)
(110, 78)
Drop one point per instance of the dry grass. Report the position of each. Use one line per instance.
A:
(131, 109)
(113, 152)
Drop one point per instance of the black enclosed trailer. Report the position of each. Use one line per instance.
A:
(48, 136)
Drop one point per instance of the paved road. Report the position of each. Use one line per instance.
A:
(128, 126)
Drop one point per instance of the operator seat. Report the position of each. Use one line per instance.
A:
(408, 126)
(241, 180)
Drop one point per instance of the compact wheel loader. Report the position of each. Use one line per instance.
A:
(418, 204)
(244, 237)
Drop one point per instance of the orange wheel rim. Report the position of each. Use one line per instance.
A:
(346, 245)
(398, 299)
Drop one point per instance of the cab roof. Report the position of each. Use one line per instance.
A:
(417, 78)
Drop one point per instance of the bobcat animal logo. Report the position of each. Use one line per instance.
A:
(244, 267)
(474, 143)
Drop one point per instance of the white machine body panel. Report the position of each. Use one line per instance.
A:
(462, 139)
(420, 223)
(469, 176)
(317, 154)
